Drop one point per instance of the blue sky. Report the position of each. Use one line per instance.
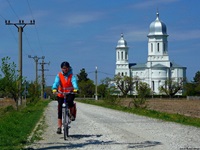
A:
(85, 33)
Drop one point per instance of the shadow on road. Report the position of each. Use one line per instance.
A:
(80, 136)
(70, 145)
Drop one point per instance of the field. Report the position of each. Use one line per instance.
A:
(174, 106)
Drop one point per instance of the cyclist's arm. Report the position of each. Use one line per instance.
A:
(56, 82)
(74, 83)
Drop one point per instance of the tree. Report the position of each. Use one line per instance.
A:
(143, 91)
(197, 77)
(103, 87)
(124, 83)
(171, 87)
(10, 80)
(82, 76)
(87, 88)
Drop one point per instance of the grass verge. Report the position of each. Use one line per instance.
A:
(16, 126)
(181, 119)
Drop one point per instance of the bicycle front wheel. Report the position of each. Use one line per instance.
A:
(65, 124)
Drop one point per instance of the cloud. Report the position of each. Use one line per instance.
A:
(152, 3)
(80, 18)
(185, 35)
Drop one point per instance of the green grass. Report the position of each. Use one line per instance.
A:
(149, 113)
(16, 126)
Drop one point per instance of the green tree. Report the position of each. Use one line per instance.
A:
(82, 76)
(189, 89)
(143, 91)
(171, 87)
(87, 88)
(124, 83)
(197, 77)
(103, 90)
(10, 80)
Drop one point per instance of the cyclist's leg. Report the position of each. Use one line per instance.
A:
(70, 100)
(60, 102)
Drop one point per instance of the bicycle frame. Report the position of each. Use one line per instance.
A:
(65, 114)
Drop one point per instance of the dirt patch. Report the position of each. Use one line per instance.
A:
(174, 106)
(7, 102)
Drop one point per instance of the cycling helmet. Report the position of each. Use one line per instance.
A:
(65, 63)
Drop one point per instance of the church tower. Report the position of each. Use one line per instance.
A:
(157, 43)
(122, 65)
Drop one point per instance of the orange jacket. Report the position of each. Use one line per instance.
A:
(65, 84)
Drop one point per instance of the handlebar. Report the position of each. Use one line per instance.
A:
(64, 93)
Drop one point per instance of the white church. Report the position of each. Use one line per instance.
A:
(158, 67)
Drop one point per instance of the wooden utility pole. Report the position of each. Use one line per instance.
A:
(43, 79)
(20, 26)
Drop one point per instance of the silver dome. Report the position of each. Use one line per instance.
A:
(122, 42)
(157, 27)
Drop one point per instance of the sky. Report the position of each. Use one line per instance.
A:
(85, 33)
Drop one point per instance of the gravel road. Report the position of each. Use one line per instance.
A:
(98, 128)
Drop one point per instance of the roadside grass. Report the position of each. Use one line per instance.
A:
(181, 119)
(16, 126)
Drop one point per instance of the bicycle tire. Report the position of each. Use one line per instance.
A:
(65, 124)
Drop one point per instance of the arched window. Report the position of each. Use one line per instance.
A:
(126, 55)
(118, 55)
(152, 86)
(164, 47)
(122, 55)
(151, 47)
(158, 47)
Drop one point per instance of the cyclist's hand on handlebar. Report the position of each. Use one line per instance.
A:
(75, 91)
(54, 91)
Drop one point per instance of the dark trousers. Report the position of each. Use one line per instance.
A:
(70, 102)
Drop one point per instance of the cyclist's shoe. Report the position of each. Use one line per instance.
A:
(72, 118)
(59, 131)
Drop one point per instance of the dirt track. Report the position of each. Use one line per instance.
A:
(98, 128)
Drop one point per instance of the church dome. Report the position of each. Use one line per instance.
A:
(157, 27)
(122, 42)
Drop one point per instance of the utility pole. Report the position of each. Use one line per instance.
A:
(43, 79)
(20, 26)
(36, 66)
(96, 95)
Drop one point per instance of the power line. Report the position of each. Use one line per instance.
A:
(35, 28)
(13, 9)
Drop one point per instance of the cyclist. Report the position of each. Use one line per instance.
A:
(65, 81)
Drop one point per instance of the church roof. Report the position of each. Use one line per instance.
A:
(139, 65)
(157, 27)
(122, 42)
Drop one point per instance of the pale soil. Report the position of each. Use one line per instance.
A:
(174, 106)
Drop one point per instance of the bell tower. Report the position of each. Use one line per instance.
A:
(122, 65)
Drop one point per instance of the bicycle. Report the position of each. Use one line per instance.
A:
(66, 114)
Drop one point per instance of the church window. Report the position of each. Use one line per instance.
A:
(164, 47)
(158, 47)
(151, 47)
(118, 55)
(152, 86)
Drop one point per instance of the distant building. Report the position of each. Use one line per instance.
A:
(158, 67)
